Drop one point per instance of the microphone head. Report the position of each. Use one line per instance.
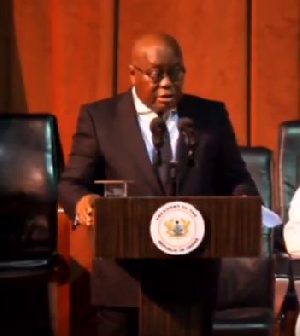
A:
(160, 114)
(158, 126)
(185, 125)
(187, 131)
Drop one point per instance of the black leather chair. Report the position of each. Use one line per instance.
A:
(246, 286)
(30, 163)
(288, 164)
(246, 297)
(288, 181)
(260, 164)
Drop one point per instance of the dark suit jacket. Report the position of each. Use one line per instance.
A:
(108, 145)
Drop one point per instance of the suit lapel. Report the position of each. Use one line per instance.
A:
(182, 169)
(134, 144)
(182, 150)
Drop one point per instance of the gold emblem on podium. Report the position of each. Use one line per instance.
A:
(177, 228)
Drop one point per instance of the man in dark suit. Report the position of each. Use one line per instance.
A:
(113, 141)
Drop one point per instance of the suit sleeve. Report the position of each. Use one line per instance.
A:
(80, 172)
(236, 177)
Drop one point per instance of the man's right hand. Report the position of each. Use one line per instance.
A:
(85, 209)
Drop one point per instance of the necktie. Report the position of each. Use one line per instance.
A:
(163, 163)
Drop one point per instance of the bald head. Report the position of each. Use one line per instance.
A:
(149, 46)
(157, 71)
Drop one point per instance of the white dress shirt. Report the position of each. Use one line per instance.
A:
(291, 231)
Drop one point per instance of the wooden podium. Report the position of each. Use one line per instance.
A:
(177, 291)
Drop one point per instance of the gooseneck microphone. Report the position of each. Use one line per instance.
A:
(188, 134)
(158, 128)
(164, 166)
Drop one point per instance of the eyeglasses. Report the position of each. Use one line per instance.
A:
(156, 74)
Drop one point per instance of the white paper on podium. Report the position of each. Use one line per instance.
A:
(269, 218)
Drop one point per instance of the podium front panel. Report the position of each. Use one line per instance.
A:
(233, 227)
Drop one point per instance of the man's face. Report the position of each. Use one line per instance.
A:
(158, 75)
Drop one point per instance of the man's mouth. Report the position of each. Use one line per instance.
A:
(165, 97)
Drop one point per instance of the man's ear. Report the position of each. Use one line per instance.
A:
(132, 74)
(131, 69)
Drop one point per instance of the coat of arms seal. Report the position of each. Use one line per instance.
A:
(177, 228)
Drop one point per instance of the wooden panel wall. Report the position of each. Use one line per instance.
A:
(56, 55)
(214, 46)
(275, 68)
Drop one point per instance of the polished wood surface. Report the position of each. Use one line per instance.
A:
(233, 225)
(176, 293)
(176, 296)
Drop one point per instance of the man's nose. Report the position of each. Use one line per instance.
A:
(165, 81)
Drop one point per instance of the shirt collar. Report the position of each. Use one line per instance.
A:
(140, 107)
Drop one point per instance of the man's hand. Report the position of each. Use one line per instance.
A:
(85, 209)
